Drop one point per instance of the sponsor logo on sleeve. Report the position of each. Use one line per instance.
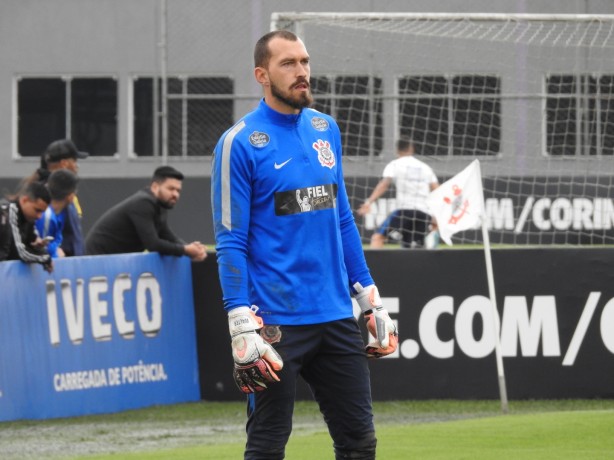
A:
(319, 124)
(258, 139)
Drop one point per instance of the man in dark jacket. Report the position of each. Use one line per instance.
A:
(139, 222)
(18, 237)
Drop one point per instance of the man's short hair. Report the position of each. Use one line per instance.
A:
(403, 144)
(36, 191)
(166, 172)
(62, 183)
(262, 54)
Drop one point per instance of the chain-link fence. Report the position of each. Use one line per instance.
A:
(201, 93)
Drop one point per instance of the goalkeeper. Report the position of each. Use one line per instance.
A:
(296, 260)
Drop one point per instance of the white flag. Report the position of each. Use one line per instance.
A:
(458, 203)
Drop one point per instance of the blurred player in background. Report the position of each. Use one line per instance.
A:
(289, 255)
(413, 180)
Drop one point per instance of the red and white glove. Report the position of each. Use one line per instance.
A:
(378, 322)
(255, 360)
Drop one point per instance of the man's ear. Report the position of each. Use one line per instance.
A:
(262, 76)
(154, 187)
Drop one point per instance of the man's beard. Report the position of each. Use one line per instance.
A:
(167, 204)
(305, 99)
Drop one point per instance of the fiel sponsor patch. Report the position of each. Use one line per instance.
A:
(306, 199)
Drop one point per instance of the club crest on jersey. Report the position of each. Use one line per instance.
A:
(319, 124)
(326, 157)
(258, 139)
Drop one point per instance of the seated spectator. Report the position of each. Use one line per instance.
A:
(62, 186)
(139, 222)
(18, 237)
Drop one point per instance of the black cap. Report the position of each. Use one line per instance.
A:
(61, 149)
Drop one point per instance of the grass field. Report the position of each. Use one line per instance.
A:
(426, 430)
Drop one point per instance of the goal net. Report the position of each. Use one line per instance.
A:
(530, 96)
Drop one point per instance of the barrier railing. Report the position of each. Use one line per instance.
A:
(100, 334)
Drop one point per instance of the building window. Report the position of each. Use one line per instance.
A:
(200, 109)
(356, 104)
(451, 115)
(83, 109)
(579, 115)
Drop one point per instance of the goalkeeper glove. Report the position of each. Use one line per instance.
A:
(378, 322)
(255, 360)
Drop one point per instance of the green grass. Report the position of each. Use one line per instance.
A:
(426, 430)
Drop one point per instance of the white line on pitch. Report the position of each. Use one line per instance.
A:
(581, 328)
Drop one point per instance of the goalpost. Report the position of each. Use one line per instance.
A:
(530, 96)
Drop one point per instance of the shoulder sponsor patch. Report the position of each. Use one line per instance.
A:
(306, 199)
(319, 124)
(258, 139)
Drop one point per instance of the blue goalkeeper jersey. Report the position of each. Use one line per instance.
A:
(285, 234)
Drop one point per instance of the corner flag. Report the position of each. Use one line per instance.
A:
(458, 203)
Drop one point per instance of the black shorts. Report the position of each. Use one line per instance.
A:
(412, 226)
(330, 357)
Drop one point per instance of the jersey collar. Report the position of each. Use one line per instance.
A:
(277, 117)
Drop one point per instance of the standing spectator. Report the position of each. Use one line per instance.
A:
(18, 237)
(139, 222)
(63, 154)
(413, 180)
(287, 242)
(62, 185)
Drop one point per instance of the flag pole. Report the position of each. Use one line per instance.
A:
(493, 302)
(457, 205)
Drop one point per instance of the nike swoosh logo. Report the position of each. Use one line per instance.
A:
(281, 165)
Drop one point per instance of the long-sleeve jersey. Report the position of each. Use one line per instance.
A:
(17, 236)
(73, 243)
(136, 224)
(52, 224)
(286, 238)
